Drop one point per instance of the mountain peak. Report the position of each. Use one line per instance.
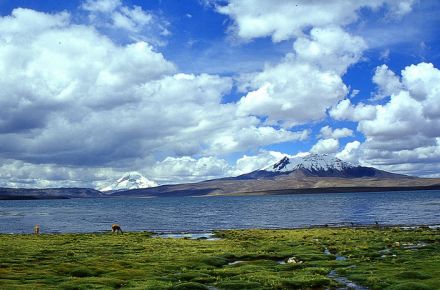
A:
(281, 164)
(311, 162)
(130, 180)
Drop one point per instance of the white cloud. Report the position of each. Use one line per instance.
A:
(85, 107)
(328, 132)
(15, 173)
(248, 138)
(282, 92)
(404, 133)
(398, 9)
(325, 146)
(284, 19)
(345, 110)
(354, 93)
(350, 152)
(73, 98)
(184, 169)
(103, 6)
(387, 81)
(311, 74)
(263, 159)
(330, 48)
(413, 110)
(140, 24)
(397, 117)
(423, 82)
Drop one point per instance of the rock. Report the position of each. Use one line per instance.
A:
(293, 260)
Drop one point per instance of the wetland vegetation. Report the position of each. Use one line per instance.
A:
(321, 258)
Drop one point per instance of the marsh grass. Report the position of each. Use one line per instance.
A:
(140, 261)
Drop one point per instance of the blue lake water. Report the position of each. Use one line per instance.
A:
(195, 214)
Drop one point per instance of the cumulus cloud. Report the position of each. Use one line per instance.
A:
(350, 152)
(387, 82)
(263, 159)
(185, 168)
(311, 74)
(403, 134)
(326, 146)
(79, 106)
(248, 138)
(284, 19)
(170, 170)
(281, 92)
(72, 97)
(345, 110)
(103, 6)
(413, 110)
(16, 173)
(113, 14)
(330, 48)
(328, 132)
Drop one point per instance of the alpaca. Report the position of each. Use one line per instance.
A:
(36, 229)
(116, 228)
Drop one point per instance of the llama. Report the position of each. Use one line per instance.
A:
(116, 228)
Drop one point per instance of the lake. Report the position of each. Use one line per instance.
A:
(200, 214)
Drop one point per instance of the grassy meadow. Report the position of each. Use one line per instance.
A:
(389, 258)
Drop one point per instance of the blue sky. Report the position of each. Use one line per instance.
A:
(190, 90)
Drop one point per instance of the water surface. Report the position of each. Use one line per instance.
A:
(190, 214)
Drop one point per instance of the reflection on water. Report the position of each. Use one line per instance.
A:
(186, 214)
(189, 236)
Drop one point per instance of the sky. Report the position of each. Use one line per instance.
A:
(183, 91)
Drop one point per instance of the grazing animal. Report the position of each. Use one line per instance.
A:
(116, 228)
(36, 229)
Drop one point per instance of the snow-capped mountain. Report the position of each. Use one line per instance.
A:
(310, 173)
(131, 180)
(316, 165)
(311, 162)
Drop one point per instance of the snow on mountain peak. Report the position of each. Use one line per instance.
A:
(130, 180)
(312, 162)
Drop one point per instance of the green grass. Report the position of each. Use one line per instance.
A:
(140, 261)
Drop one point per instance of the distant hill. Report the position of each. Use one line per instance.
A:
(312, 173)
(48, 193)
(307, 174)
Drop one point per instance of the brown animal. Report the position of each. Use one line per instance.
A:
(116, 228)
(36, 229)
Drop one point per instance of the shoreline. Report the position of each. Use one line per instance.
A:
(272, 192)
(434, 226)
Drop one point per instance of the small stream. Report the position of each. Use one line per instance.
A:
(341, 279)
(208, 236)
(344, 281)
